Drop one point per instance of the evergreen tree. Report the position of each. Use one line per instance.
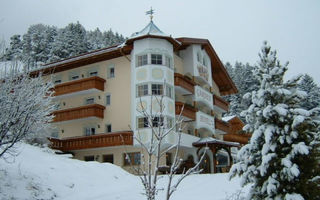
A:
(242, 76)
(281, 160)
(310, 87)
(14, 50)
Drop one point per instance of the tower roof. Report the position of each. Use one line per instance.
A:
(150, 29)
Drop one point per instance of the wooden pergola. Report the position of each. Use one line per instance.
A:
(215, 145)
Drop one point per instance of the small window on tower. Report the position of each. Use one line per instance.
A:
(142, 60)
(156, 59)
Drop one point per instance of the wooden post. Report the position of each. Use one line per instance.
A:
(213, 149)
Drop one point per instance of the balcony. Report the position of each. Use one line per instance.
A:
(188, 111)
(221, 127)
(81, 86)
(203, 97)
(183, 84)
(220, 104)
(93, 141)
(82, 112)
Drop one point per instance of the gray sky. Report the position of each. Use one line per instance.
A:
(235, 28)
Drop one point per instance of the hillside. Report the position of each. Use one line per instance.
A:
(38, 173)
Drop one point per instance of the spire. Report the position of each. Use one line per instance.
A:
(150, 12)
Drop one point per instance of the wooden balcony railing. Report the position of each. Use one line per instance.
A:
(221, 103)
(182, 81)
(240, 138)
(221, 125)
(93, 110)
(188, 111)
(93, 141)
(94, 82)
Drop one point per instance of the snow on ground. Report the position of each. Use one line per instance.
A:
(38, 173)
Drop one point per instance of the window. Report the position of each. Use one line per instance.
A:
(108, 128)
(157, 89)
(142, 60)
(74, 77)
(168, 61)
(142, 90)
(199, 57)
(168, 159)
(107, 158)
(108, 99)
(157, 121)
(89, 101)
(93, 73)
(57, 81)
(156, 59)
(111, 71)
(89, 158)
(89, 131)
(169, 91)
(142, 122)
(132, 158)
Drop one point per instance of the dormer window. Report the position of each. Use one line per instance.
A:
(156, 59)
(142, 60)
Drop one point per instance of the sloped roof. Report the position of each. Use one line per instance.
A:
(210, 140)
(152, 31)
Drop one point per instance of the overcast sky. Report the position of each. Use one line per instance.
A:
(235, 28)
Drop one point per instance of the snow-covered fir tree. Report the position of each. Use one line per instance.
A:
(281, 161)
(312, 89)
(242, 76)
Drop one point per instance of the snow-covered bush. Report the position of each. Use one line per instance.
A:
(281, 160)
(26, 107)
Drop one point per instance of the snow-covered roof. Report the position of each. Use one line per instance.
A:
(150, 29)
(210, 140)
(228, 118)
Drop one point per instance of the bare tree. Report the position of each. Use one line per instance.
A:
(26, 107)
(154, 149)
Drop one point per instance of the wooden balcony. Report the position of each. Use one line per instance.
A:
(188, 111)
(240, 138)
(221, 125)
(187, 85)
(93, 110)
(220, 103)
(94, 82)
(93, 141)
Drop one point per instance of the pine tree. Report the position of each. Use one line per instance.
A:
(310, 87)
(242, 76)
(14, 50)
(281, 160)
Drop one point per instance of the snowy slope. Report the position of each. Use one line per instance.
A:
(40, 174)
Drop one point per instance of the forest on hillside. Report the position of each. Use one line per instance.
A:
(42, 44)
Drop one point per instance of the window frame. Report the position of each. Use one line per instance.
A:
(144, 91)
(107, 128)
(156, 59)
(108, 99)
(86, 101)
(134, 158)
(157, 91)
(142, 60)
(92, 130)
(142, 122)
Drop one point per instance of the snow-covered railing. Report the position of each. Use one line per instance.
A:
(184, 82)
(93, 141)
(92, 110)
(94, 82)
(221, 125)
(187, 110)
(220, 103)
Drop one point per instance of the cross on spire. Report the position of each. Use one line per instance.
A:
(150, 12)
